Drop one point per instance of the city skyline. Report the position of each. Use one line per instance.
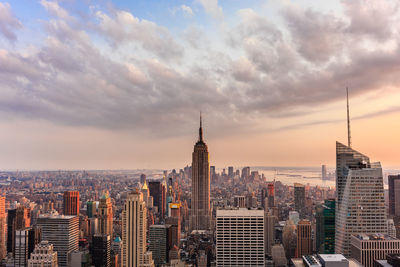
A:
(266, 74)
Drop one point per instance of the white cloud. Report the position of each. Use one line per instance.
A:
(212, 8)
(8, 22)
(187, 11)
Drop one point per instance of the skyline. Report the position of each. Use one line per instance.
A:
(112, 85)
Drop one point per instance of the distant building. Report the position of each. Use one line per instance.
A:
(299, 199)
(325, 227)
(269, 232)
(43, 255)
(304, 239)
(91, 208)
(3, 248)
(156, 191)
(366, 248)
(324, 173)
(61, 231)
(230, 171)
(71, 203)
(278, 255)
(105, 216)
(143, 178)
(239, 201)
(19, 218)
(394, 195)
(249, 226)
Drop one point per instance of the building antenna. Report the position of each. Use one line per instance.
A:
(348, 119)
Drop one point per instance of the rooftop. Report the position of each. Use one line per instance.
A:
(374, 237)
(332, 257)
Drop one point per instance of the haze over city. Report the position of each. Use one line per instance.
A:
(110, 85)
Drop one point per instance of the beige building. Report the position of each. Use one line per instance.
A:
(3, 251)
(366, 248)
(43, 256)
(105, 216)
(134, 220)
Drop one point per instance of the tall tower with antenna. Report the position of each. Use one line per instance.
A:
(348, 119)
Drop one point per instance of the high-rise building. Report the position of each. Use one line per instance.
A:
(101, 250)
(299, 199)
(63, 232)
(43, 255)
(269, 231)
(105, 216)
(3, 249)
(155, 188)
(323, 173)
(134, 217)
(175, 222)
(116, 248)
(19, 218)
(159, 236)
(21, 247)
(143, 178)
(239, 201)
(264, 198)
(200, 218)
(230, 171)
(304, 238)
(34, 237)
(271, 195)
(366, 248)
(325, 227)
(71, 203)
(91, 208)
(245, 173)
(360, 205)
(240, 238)
(394, 195)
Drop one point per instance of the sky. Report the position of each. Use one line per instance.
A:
(120, 84)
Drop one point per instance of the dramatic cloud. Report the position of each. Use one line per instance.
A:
(116, 71)
(8, 22)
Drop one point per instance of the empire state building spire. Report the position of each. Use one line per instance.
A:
(201, 130)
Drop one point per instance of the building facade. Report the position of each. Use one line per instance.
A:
(71, 203)
(240, 238)
(394, 195)
(105, 216)
(325, 227)
(43, 256)
(299, 199)
(304, 238)
(200, 218)
(101, 250)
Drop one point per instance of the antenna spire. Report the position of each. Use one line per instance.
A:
(201, 130)
(348, 119)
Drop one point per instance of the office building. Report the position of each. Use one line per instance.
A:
(323, 260)
(156, 191)
(91, 208)
(391, 228)
(325, 227)
(19, 218)
(3, 248)
(366, 248)
(134, 220)
(200, 218)
(392, 260)
(175, 222)
(105, 216)
(324, 173)
(360, 206)
(143, 178)
(271, 195)
(304, 238)
(34, 238)
(245, 173)
(239, 201)
(116, 248)
(71, 203)
(269, 231)
(63, 232)
(230, 171)
(240, 237)
(43, 255)
(394, 195)
(101, 250)
(159, 237)
(21, 247)
(278, 255)
(299, 199)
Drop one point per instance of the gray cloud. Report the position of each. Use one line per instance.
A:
(69, 79)
(8, 22)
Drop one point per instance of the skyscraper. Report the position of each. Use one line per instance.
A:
(269, 231)
(101, 250)
(134, 216)
(325, 227)
(3, 249)
(200, 218)
(360, 206)
(43, 256)
(304, 240)
(71, 203)
(299, 199)
(155, 189)
(143, 178)
(21, 247)
(105, 216)
(159, 235)
(91, 208)
(19, 218)
(240, 237)
(394, 195)
(61, 231)
(271, 195)
(323, 173)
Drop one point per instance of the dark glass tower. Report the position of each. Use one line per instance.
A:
(325, 227)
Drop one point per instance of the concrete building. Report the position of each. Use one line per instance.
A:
(240, 238)
(366, 248)
(278, 255)
(43, 256)
(200, 218)
(360, 206)
(105, 216)
(61, 231)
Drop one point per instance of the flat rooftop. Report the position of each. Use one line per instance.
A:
(374, 237)
(332, 257)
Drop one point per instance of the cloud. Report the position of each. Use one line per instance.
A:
(187, 11)
(144, 82)
(8, 23)
(211, 7)
(123, 27)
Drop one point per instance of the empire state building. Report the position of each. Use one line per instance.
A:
(200, 218)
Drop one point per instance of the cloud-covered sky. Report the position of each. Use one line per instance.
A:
(119, 84)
